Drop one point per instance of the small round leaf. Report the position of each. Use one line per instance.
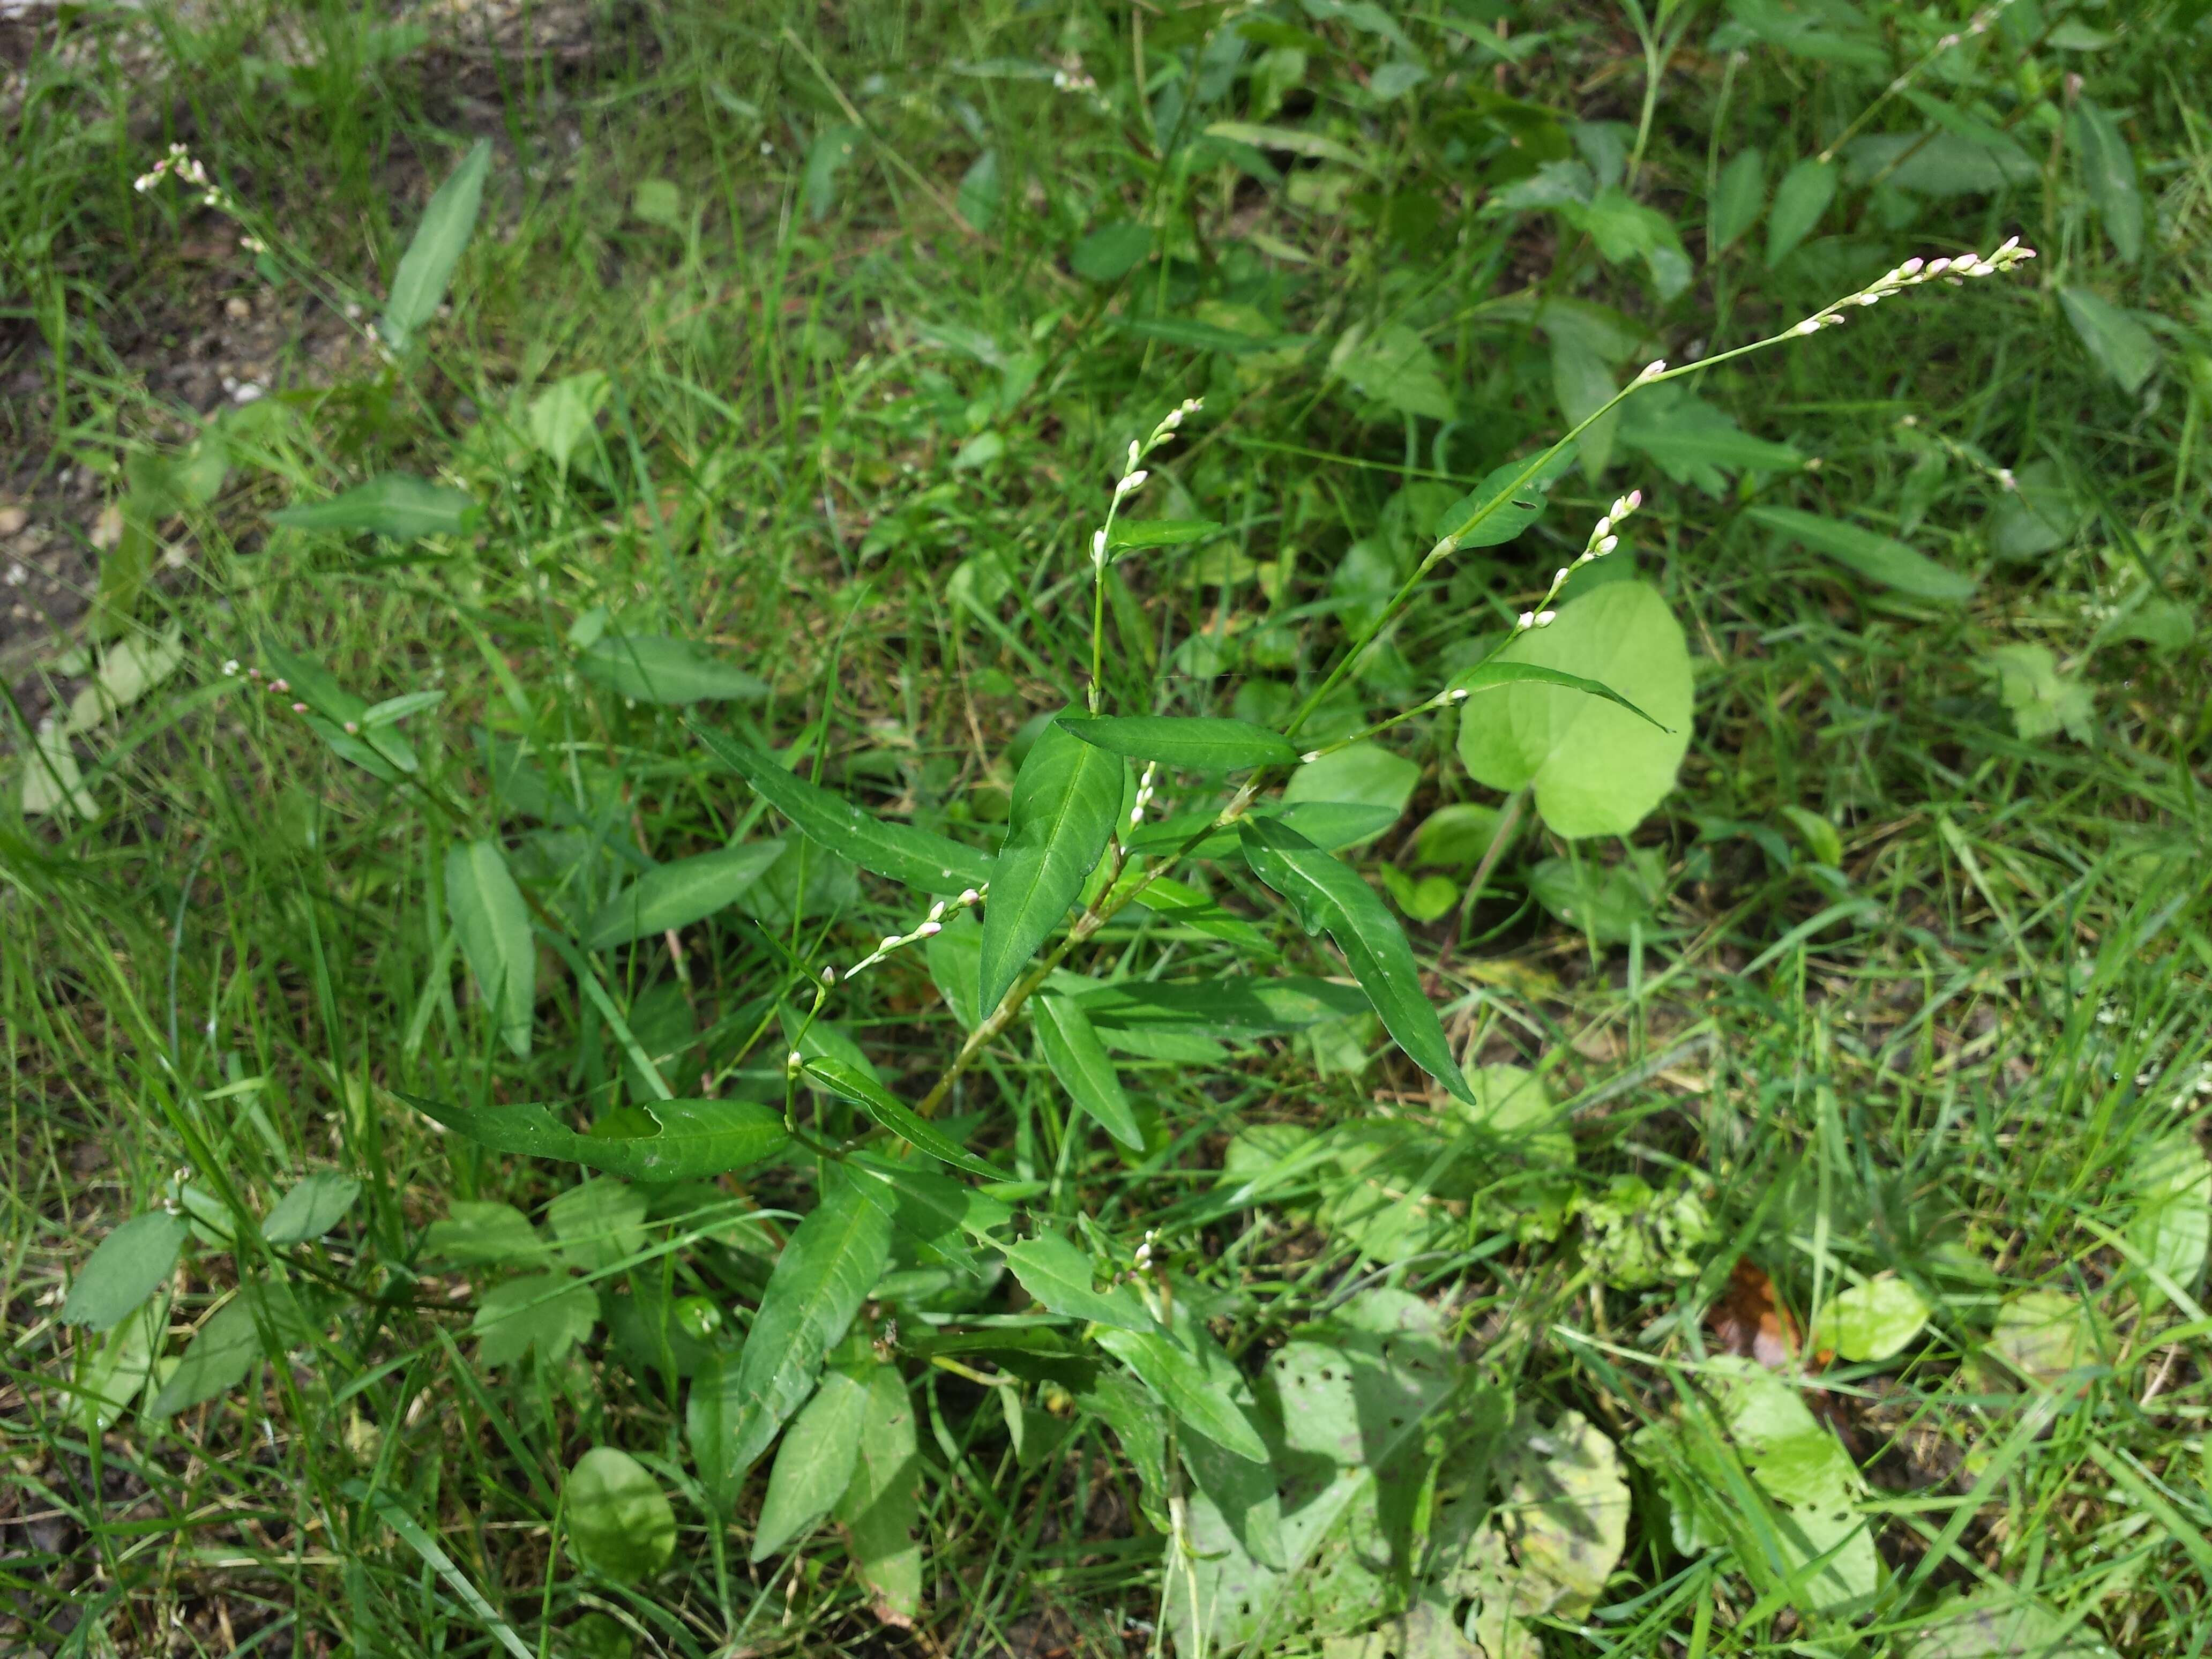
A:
(619, 1520)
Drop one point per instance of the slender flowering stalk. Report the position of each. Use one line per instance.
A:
(928, 927)
(1911, 274)
(1132, 480)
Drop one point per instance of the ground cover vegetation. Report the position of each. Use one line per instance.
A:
(1315, 828)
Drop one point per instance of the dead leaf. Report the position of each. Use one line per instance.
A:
(1749, 1323)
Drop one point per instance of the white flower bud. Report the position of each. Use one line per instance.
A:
(1134, 481)
(1810, 326)
(1134, 452)
(829, 976)
(1528, 620)
(937, 910)
(891, 942)
(928, 929)
(1310, 757)
(1545, 618)
(1608, 546)
(1559, 577)
(1097, 544)
(1600, 527)
(970, 895)
(1652, 371)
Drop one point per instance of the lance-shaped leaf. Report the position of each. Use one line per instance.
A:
(494, 927)
(833, 1260)
(131, 1263)
(1330, 896)
(1196, 1382)
(678, 1139)
(1067, 797)
(396, 504)
(850, 1083)
(1079, 1060)
(1190, 742)
(1058, 1276)
(930, 862)
(1879, 558)
(419, 285)
(926, 1204)
(815, 1464)
(678, 894)
(1497, 672)
(653, 668)
(880, 1511)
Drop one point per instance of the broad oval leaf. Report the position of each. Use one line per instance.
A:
(1067, 797)
(493, 925)
(930, 862)
(1596, 768)
(2122, 346)
(619, 1520)
(1193, 1390)
(1058, 1276)
(1738, 200)
(849, 1083)
(131, 1263)
(1799, 200)
(396, 504)
(653, 668)
(1190, 742)
(1330, 896)
(815, 1464)
(310, 1209)
(693, 1138)
(925, 1203)
(1879, 558)
(419, 285)
(676, 895)
(880, 1511)
(215, 1361)
(832, 1261)
(2172, 1184)
(1079, 1060)
(1873, 1320)
(2108, 167)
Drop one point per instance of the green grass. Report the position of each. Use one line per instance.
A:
(859, 445)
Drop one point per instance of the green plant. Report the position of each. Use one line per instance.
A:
(1584, 703)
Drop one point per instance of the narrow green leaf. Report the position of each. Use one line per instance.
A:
(848, 1083)
(653, 668)
(442, 1563)
(676, 895)
(131, 1263)
(1500, 671)
(1233, 1007)
(1296, 140)
(815, 1464)
(1058, 1276)
(1079, 1060)
(493, 925)
(310, 1209)
(396, 504)
(2122, 346)
(1329, 895)
(880, 1511)
(1128, 535)
(931, 863)
(687, 1139)
(1802, 196)
(1189, 743)
(2108, 168)
(1193, 1390)
(1740, 198)
(419, 285)
(1879, 558)
(926, 1204)
(1067, 797)
(620, 1521)
(826, 1271)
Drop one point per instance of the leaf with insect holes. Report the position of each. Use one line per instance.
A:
(1058, 1276)
(419, 285)
(2120, 345)
(1879, 558)
(1189, 743)
(1329, 895)
(1068, 797)
(815, 1464)
(929, 862)
(1080, 1062)
(1596, 768)
(2172, 1184)
(880, 1511)
(1193, 1379)
(1504, 503)
(399, 505)
(849, 1083)
(1130, 535)
(620, 1521)
(131, 1263)
(653, 668)
(310, 1209)
(689, 1140)
(1738, 199)
(676, 895)
(1802, 196)
(2108, 167)
(493, 925)
(832, 1261)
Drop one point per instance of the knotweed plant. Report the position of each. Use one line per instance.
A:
(814, 1374)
